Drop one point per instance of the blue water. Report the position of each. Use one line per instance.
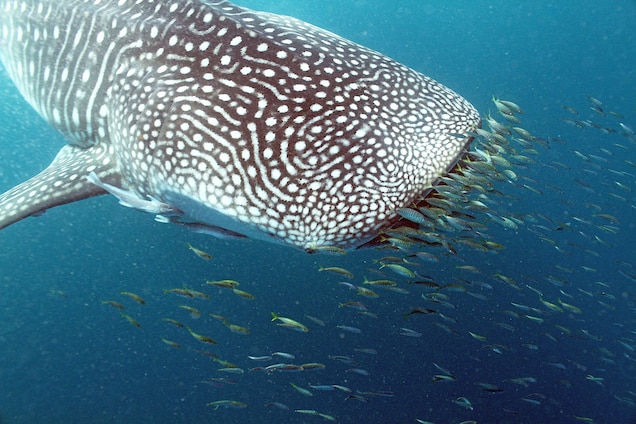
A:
(67, 358)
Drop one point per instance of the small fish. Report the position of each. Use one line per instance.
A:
(487, 387)
(557, 365)
(442, 369)
(358, 398)
(571, 110)
(607, 217)
(443, 377)
(243, 294)
(322, 387)
(134, 297)
(301, 390)
(113, 304)
(590, 335)
(413, 215)
(505, 326)
(220, 381)
(348, 285)
(337, 270)
(171, 343)
(180, 292)
(522, 381)
(409, 333)
(501, 107)
(197, 294)
(569, 307)
(363, 291)
(464, 403)
(594, 101)
(349, 329)
(368, 351)
(426, 256)
(420, 311)
(597, 380)
(331, 250)
(389, 283)
(327, 416)
(627, 130)
(226, 284)
(525, 134)
(313, 366)
(427, 283)
(379, 393)
(511, 105)
(131, 320)
(194, 312)
(200, 253)
(455, 287)
(537, 291)
(506, 279)
(59, 293)
(497, 127)
(260, 358)
(278, 405)
(231, 370)
(315, 320)
(478, 337)
(236, 328)
(498, 349)
(551, 337)
(535, 319)
(460, 224)
(201, 338)
(550, 305)
(174, 322)
(289, 323)
(358, 371)
(626, 345)
(470, 268)
(132, 200)
(227, 404)
(477, 296)
(398, 269)
(314, 412)
(342, 358)
(284, 355)
(284, 368)
(358, 306)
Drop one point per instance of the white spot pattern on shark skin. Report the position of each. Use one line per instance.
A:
(262, 122)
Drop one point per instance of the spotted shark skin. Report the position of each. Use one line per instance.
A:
(255, 123)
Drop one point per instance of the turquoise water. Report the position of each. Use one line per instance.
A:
(65, 357)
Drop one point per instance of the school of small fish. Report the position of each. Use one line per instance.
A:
(434, 268)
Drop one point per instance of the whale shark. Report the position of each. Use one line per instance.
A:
(214, 116)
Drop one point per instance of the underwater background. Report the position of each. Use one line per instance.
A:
(541, 328)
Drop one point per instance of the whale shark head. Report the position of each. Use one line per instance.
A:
(245, 122)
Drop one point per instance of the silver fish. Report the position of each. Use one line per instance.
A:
(258, 124)
(131, 200)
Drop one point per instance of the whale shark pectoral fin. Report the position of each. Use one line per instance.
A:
(60, 183)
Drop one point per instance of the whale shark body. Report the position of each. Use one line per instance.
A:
(249, 123)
